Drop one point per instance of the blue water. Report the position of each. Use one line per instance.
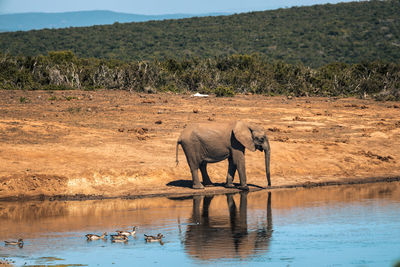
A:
(332, 226)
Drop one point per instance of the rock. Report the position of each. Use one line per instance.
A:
(297, 118)
(148, 102)
(281, 139)
(142, 138)
(140, 130)
(274, 129)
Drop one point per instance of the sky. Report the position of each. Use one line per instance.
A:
(152, 7)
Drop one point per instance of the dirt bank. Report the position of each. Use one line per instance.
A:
(117, 143)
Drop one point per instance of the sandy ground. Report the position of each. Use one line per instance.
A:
(117, 143)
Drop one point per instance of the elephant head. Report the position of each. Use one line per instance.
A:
(254, 137)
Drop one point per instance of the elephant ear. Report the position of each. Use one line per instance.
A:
(243, 134)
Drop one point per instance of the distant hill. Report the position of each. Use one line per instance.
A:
(314, 35)
(36, 21)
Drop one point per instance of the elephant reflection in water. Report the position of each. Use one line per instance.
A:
(222, 237)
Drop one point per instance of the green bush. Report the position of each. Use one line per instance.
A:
(23, 100)
(221, 91)
(60, 57)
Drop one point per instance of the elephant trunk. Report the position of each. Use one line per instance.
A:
(267, 151)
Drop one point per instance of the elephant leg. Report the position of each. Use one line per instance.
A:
(241, 167)
(196, 209)
(231, 174)
(206, 207)
(204, 174)
(232, 211)
(195, 178)
(194, 169)
(243, 211)
(193, 164)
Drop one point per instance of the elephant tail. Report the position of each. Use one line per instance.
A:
(179, 142)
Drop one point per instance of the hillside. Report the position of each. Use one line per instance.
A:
(36, 21)
(315, 35)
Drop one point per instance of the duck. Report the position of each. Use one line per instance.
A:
(119, 238)
(127, 233)
(20, 242)
(151, 238)
(95, 237)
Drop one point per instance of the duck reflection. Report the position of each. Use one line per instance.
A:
(221, 236)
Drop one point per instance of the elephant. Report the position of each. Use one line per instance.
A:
(212, 142)
(210, 237)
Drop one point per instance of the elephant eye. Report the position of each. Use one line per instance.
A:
(259, 139)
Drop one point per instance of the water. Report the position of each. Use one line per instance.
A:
(333, 226)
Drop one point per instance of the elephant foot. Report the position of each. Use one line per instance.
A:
(198, 186)
(243, 187)
(229, 186)
(208, 184)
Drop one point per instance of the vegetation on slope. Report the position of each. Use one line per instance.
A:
(223, 76)
(314, 36)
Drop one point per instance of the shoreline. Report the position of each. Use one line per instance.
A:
(215, 190)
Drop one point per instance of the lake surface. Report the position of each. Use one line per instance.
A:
(355, 225)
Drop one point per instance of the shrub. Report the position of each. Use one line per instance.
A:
(225, 76)
(224, 91)
(23, 100)
(60, 57)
